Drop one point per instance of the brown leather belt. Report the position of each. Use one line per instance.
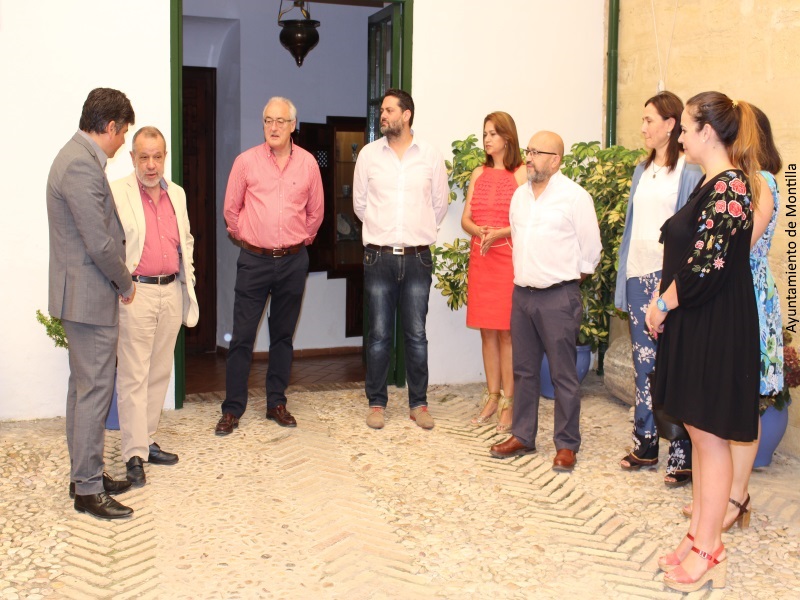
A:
(158, 280)
(550, 287)
(400, 250)
(273, 252)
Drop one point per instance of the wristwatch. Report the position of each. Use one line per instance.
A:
(662, 306)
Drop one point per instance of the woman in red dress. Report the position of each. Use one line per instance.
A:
(490, 279)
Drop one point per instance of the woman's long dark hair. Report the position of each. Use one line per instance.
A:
(506, 128)
(669, 106)
(769, 157)
(736, 126)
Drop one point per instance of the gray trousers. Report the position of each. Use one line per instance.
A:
(92, 360)
(546, 321)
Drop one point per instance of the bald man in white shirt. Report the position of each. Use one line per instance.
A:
(400, 193)
(556, 245)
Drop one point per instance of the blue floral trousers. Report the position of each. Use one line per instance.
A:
(640, 292)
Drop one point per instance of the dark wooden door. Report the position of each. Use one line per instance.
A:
(199, 181)
(317, 139)
(330, 252)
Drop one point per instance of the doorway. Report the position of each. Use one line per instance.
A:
(199, 178)
(236, 75)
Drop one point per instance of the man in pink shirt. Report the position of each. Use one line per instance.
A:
(273, 209)
(159, 253)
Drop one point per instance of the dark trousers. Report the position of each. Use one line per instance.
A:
(390, 281)
(257, 279)
(546, 321)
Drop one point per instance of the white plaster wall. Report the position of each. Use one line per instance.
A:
(543, 63)
(332, 81)
(52, 53)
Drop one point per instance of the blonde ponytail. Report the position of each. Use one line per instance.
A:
(744, 152)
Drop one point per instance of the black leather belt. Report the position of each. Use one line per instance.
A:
(158, 280)
(550, 287)
(273, 252)
(400, 250)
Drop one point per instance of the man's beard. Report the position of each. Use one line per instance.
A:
(392, 129)
(537, 176)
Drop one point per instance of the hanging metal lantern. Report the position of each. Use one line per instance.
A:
(298, 36)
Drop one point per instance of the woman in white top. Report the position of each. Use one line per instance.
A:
(661, 185)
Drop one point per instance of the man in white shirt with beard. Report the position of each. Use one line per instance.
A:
(400, 193)
(556, 245)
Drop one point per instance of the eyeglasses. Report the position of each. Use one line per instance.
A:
(535, 153)
(279, 122)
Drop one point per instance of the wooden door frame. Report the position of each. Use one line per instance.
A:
(406, 33)
(176, 88)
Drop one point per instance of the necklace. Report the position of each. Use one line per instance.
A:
(655, 171)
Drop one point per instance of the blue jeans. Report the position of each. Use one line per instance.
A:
(392, 281)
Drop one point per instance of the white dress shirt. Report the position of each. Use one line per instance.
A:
(555, 236)
(400, 202)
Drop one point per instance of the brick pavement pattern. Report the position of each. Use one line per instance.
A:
(333, 509)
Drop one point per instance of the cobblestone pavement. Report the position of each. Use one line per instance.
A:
(333, 509)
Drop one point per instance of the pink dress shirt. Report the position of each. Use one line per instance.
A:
(270, 208)
(161, 240)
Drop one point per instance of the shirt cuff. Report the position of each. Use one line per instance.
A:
(587, 267)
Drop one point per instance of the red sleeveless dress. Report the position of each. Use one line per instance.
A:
(490, 279)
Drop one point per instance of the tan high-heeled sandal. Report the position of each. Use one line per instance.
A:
(505, 403)
(678, 579)
(742, 517)
(487, 398)
(671, 561)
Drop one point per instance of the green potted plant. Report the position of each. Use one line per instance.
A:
(605, 173)
(54, 329)
(774, 410)
(450, 261)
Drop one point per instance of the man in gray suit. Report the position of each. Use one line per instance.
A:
(87, 276)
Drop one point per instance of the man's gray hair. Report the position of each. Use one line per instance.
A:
(148, 131)
(289, 103)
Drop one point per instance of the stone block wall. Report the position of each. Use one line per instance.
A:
(746, 49)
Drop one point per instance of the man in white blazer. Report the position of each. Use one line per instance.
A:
(159, 254)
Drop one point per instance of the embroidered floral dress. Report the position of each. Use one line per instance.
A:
(768, 303)
(707, 365)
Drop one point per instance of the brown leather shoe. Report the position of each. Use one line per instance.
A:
(564, 461)
(227, 423)
(511, 447)
(281, 416)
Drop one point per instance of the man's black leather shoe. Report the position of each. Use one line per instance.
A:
(135, 471)
(102, 506)
(159, 457)
(111, 486)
